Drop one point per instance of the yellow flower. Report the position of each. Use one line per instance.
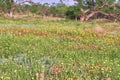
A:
(62, 63)
(2, 77)
(32, 78)
(15, 71)
(119, 73)
(104, 62)
(102, 69)
(8, 78)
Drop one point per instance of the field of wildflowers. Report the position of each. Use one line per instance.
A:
(59, 50)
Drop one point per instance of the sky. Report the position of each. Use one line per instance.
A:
(68, 2)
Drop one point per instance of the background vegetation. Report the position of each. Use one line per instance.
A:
(84, 10)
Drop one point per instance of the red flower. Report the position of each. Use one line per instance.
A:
(72, 79)
(57, 71)
(53, 71)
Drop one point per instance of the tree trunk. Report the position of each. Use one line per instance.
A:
(111, 17)
(82, 18)
(83, 14)
(13, 6)
(12, 11)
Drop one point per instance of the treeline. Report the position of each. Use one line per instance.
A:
(53, 10)
(84, 10)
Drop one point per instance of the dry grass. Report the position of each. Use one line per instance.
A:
(35, 17)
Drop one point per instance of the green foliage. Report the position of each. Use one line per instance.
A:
(61, 9)
(53, 11)
(34, 8)
(58, 10)
(72, 12)
(108, 5)
(5, 5)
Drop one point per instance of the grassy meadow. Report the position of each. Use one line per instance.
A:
(59, 50)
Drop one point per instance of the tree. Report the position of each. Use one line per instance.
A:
(90, 9)
(72, 12)
(58, 10)
(61, 10)
(8, 6)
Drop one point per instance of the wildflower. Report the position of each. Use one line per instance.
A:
(77, 62)
(119, 73)
(73, 64)
(7, 78)
(52, 71)
(57, 71)
(2, 77)
(37, 74)
(72, 79)
(86, 65)
(32, 78)
(108, 78)
(62, 63)
(15, 71)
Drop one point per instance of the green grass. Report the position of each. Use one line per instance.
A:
(58, 50)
